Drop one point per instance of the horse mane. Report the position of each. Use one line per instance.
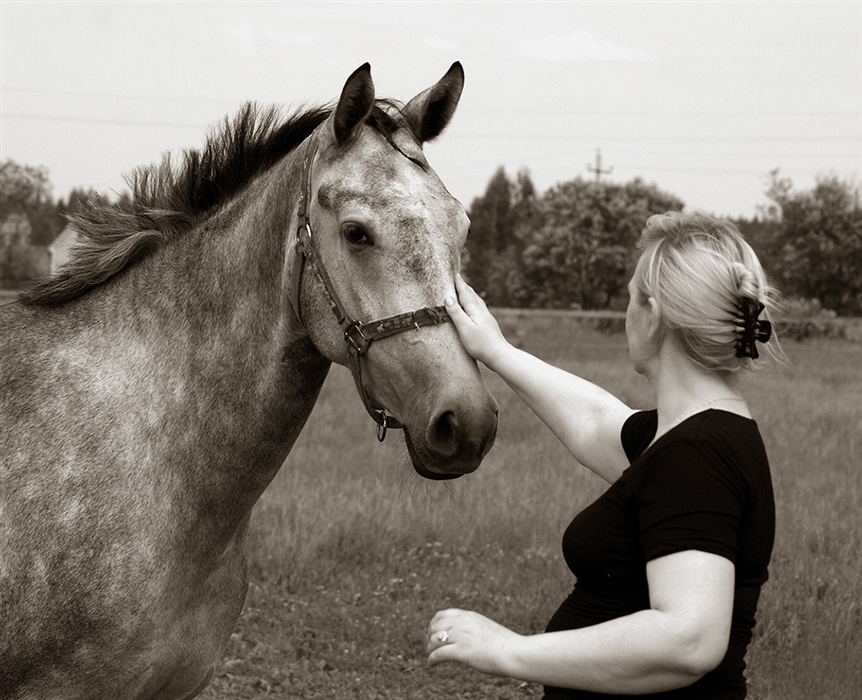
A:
(167, 200)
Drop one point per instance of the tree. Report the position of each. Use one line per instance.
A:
(820, 253)
(493, 250)
(22, 187)
(578, 250)
(27, 222)
(764, 234)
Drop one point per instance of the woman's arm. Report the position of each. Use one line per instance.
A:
(683, 636)
(586, 418)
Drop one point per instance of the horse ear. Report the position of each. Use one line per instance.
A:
(355, 103)
(430, 111)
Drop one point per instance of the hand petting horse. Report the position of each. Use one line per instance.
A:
(150, 391)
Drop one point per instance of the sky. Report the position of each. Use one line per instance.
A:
(703, 99)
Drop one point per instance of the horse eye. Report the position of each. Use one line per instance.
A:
(355, 234)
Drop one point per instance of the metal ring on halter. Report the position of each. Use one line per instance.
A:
(382, 426)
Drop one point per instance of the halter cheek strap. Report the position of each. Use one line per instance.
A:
(358, 335)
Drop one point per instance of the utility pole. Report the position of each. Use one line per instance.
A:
(597, 168)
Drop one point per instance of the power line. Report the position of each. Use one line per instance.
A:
(563, 155)
(98, 120)
(646, 170)
(531, 111)
(115, 96)
(675, 138)
(568, 138)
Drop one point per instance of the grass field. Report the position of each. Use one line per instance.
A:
(351, 553)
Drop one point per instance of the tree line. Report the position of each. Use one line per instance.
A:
(573, 245)
(570, 247)
(30, 220)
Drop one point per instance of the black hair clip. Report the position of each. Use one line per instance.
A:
(751, 328)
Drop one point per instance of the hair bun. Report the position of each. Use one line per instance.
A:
(747, 286)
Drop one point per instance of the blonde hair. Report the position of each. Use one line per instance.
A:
(700, 271)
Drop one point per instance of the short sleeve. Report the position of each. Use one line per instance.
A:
(690, 497)
(637, 433)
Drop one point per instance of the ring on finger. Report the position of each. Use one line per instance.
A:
(443, 637)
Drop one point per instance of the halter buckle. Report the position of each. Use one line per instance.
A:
(356, 338)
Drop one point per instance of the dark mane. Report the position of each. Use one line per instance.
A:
(167, 200)
(244, 147)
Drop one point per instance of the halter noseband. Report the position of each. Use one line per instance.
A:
(358, 335)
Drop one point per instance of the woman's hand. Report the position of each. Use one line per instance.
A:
(478, 329)
(471, 639)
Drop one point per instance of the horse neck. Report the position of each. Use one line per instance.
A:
(204, 328)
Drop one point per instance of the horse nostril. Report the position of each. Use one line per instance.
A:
(443, 434)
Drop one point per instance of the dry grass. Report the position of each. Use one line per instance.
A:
(351, 553)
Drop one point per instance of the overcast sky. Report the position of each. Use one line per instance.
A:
(703, 99)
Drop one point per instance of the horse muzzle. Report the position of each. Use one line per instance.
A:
(454, 442)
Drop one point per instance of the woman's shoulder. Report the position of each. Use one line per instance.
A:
(722, 437)
(715, 424)
(725, 444)
(707, 426)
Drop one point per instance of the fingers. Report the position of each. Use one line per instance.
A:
(441, 622)
(439, 639)
(467, 296)
(468, 306)
(440, 630)
(477, 328)
(460, 285)
(459, 315)
(438, 651)
(453, 308)
(453, 305)
(441, 616)
(444, 652)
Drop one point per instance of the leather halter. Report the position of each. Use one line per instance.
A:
(358, 335)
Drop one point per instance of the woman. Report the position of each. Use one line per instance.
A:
(671, 558)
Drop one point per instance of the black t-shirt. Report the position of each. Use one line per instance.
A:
(704, 485)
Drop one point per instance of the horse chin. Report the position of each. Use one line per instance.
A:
(419, 465)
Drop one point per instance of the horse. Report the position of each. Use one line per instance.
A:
(151, 389)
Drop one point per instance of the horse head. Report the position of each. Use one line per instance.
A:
(383, 237)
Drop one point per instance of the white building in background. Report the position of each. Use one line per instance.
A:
(59, 249)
